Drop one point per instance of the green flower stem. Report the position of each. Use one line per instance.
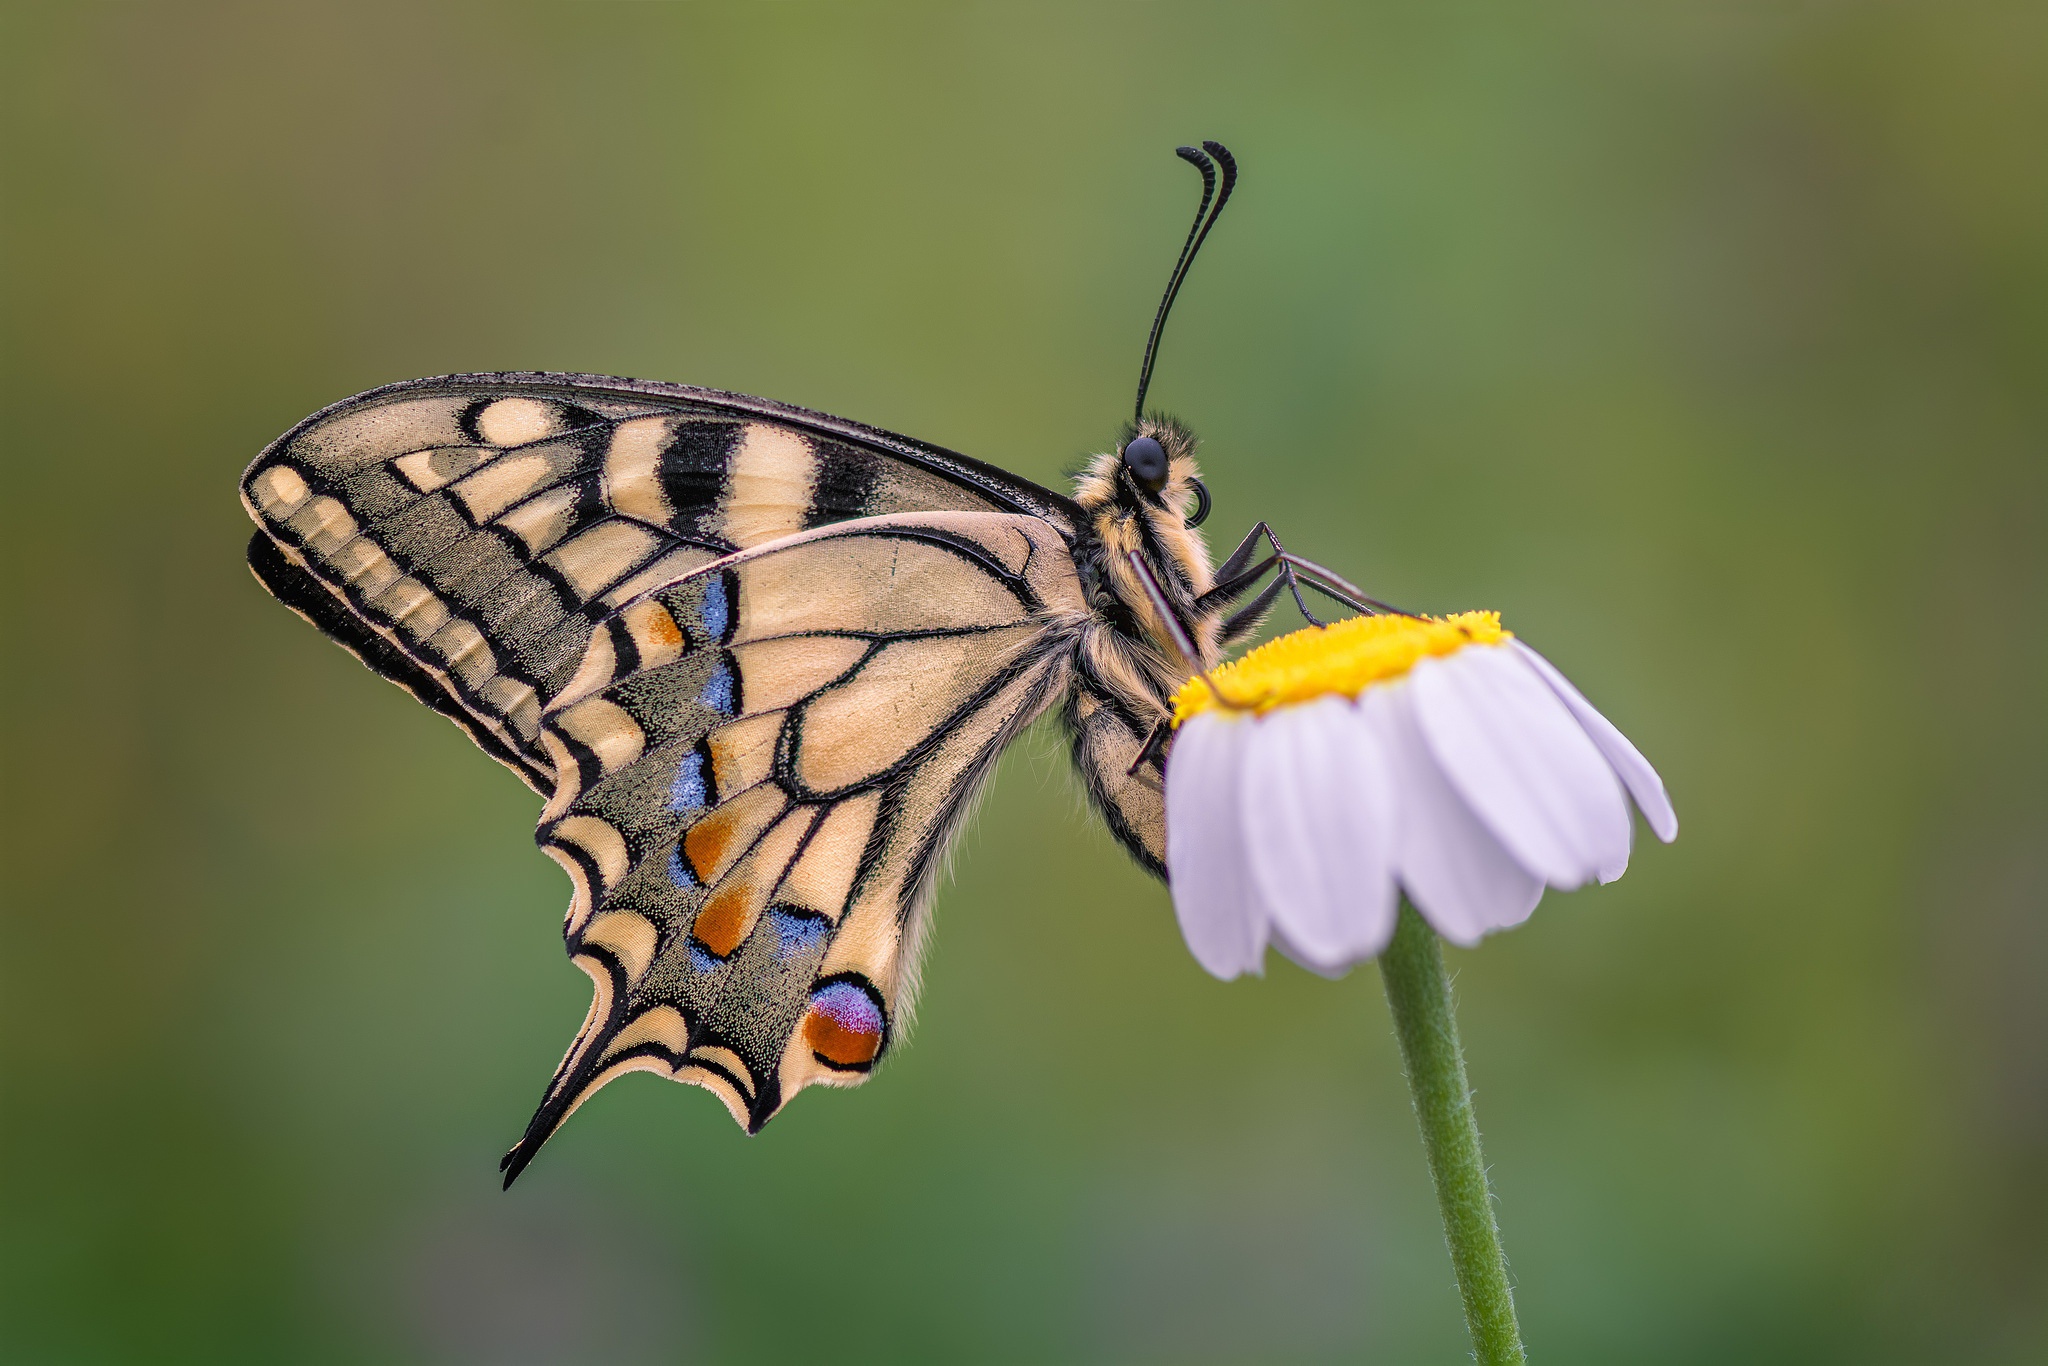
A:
(1419, 994)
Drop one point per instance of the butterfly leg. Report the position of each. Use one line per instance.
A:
(1154, 748)
(1239, 625)
(1235, 578)
(1235, 628)
(1240, 559)
(1237, 574)
(1175, 627)
(1334, 586)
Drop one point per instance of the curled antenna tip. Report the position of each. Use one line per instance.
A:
(1206, 214)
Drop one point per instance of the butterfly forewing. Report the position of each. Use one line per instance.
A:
(470, 530)
(758, 767)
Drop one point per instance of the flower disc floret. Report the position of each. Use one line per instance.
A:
(1344, 658)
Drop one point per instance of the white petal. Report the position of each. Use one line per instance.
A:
(1452, 867)
(1220, 914)
(1636, 774)
(1612, 870)
(1318, 827)
(1300, 959)
(1523, 764)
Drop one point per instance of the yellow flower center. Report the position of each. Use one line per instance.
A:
(1346, 657)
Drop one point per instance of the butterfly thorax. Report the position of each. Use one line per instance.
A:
(1130, 645)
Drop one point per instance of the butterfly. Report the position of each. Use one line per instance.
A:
(758, 661)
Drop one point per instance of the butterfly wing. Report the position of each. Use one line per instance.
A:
(463, 535)
(758, 768)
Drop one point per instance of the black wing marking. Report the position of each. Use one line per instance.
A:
(472, 529)
(759, 767)
(295, 588)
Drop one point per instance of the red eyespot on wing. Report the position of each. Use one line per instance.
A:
(845, 1025)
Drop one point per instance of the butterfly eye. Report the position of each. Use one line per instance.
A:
(1146, 460)
(1201, 513)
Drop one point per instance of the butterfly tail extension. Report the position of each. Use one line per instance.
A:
(648, 1031)
(572, 1079)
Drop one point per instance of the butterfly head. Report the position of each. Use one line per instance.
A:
(1146, 497)
(1150, 476)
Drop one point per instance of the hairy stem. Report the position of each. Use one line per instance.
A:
(1419, 994)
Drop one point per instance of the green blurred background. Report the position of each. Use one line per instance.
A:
(1707, 341)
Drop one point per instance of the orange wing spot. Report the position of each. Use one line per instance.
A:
(839, 1045)
(713, 843)
(707, 842)
(662, 627)
(723, 921)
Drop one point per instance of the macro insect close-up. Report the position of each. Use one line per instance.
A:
(1308, 683)
(759, 661)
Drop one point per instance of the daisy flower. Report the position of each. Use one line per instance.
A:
(1326, 774)
(1319, 781)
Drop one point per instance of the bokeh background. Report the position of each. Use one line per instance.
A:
(1705, 340)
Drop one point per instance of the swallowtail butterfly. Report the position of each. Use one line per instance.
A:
(758, 661)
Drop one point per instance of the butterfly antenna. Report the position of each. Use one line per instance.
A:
(1198, 232)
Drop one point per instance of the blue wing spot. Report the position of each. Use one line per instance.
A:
(796, 932)
(716, 613)
(687, 793)
(679, 871)
(719, 690)
(703, 959)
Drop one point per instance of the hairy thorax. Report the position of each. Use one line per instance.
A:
(1123, 646)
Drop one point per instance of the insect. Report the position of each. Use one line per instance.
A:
(758, 661)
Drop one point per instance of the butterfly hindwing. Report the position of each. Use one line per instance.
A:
(469, 531)
(758, 768)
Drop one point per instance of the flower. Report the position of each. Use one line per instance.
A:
(1325, 773)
